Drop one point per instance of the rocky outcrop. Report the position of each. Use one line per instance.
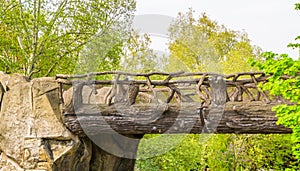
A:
(32, 134)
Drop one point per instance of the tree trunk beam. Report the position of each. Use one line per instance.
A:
(238, 117)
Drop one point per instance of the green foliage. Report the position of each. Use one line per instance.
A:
(189, 42)
(103, 52)
(295, 45)
(220, 152)
(43, 37)
(280, 67)
(249, 152)
(204, 45)
(138, 56)
(297, 6)
(185, 154)
(237, 58)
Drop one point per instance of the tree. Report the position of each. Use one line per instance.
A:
(189, 42)
(103, 52)
(278, 66)
(288, 114)
(138, 56)
(43, 37)
(204, 45)
(236, 59)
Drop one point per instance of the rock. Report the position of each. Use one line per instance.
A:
(4, 80)
(46, 119)
(88, 96)
(15, 117)
(32, 134)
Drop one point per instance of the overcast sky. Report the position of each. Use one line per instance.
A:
(270, 24)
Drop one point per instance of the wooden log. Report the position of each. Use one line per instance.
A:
(238, 117)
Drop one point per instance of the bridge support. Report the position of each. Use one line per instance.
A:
(238, 117)
(124, 156)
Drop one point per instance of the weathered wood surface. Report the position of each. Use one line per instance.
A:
(181, 86)
(238, 117)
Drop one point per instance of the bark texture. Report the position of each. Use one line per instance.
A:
(237, 117)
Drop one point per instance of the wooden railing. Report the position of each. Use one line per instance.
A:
(180, 86)
(136, 103)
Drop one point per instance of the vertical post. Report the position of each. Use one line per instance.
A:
(218, 89)
(77, 96)
(218, 99)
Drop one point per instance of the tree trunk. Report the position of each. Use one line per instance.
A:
(238, 117)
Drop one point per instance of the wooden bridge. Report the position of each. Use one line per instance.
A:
(159, 102)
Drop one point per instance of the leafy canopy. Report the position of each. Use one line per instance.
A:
(279, 67)
(204, 45)
(44, 37)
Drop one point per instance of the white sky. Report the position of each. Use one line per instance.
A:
(270, 24)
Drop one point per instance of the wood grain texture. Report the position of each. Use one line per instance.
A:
(237, 117)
